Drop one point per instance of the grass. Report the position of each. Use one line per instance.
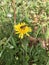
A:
(33, 50)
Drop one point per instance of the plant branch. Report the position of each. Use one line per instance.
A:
(14, 8)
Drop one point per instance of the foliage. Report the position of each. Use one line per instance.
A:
(16, 51)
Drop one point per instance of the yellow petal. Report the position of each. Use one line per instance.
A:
(27, 34)
(16, 32)
(21, 36)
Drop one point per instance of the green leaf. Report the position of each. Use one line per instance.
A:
(25, 44)
(13, 41)
(47, 34)
(47, 63)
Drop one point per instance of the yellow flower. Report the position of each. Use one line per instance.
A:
(22, 29)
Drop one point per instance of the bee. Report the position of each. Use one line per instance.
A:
(22, 27)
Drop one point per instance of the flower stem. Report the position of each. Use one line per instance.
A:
(14, 8)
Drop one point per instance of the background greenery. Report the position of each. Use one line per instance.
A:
(15, 51)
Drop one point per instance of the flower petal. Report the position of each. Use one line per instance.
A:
(27, 34)
(21, 36)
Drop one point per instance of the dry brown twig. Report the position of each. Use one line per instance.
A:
(14, 8)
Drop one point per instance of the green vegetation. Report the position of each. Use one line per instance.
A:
(33, 50)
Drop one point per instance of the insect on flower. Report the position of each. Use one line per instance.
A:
(22, 29)
(23, 26)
